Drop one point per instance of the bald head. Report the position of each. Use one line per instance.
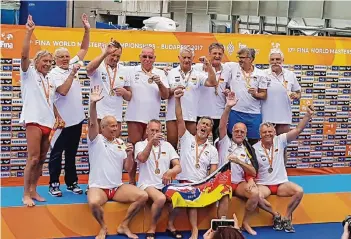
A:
(109, 127)
(107, 120)
(239, 133)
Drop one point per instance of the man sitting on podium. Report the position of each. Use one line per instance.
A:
(272, 178)
(108, 156)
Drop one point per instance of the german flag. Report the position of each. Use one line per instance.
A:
(203, 193)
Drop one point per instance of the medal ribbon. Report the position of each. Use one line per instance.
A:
(284, 83)
(158, 156)
(270, 159)
(184, 76)
(112, 82)
(247, 77)
(197, 151)
(148, 73)
(46, 89)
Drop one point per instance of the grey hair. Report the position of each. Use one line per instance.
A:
(208, 118)
(216, 45)
(276, 51)
(249, 51)
(39, 55)
(187, 49)
(267, 124)
(58, 50)
(155, 121)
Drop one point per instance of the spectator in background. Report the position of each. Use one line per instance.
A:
(190, 80)
(250, 87)
(212, 101)
(149, 86)
(70, 108)
(282, 87)
(38, 94)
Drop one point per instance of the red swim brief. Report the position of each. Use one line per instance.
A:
(273, 188)
(110, 193)
(44, 130)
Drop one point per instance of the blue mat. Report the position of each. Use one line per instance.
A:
(308, 231)
(11, 196)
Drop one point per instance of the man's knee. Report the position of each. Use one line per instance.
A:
(94, 204)
(35, 160)
(142, 197)
(254, 195)
(299, 192)
(160, 201)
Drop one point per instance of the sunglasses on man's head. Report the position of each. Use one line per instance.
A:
(147, 56)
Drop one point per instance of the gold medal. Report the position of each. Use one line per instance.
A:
(112, 92)
(150, 80)
(197, 165)
(157, 171)
(270, 170)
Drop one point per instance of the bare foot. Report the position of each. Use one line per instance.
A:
(37, 197)
(102, 234)
(125, 230)
(194, 234)
(27, 200)
(249, 229)
(171, 227)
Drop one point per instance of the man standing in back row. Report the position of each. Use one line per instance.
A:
(69, 106)
(250, 87)
(212, 100)
(149, 86)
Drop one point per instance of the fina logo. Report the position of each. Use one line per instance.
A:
(4, 41)
(230, 48)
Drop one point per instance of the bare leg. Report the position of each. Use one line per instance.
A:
(223, 206)
(97, 198)
(264, 192)
(172, 133)
(34, 136)
(192, 213)
(159, 200)
(251, 204)
(173, 212)
(136, 132)
(128, 193)
(294, 191)
(45, 144)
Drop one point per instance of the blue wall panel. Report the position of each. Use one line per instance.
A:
(45, 13)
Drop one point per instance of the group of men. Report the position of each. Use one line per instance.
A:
(240, 105)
